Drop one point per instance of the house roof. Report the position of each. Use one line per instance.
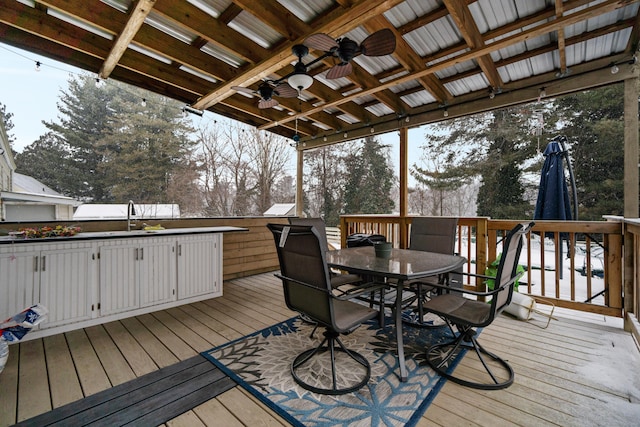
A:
(27, 184)
(281, 209)
(452, 57)
(119, 211)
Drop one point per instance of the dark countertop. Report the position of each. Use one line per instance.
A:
(99, 235)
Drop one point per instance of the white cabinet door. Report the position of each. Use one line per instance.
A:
(136, 273)
(118, 278)
(156, 262)
(19, 279)
(66, 284)
(199, 265)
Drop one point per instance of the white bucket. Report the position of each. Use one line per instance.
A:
(522, 306)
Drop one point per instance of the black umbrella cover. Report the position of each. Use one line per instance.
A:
(553, 195)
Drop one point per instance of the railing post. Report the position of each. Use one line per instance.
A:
(483, 242)
(631, 279)
(404, 232)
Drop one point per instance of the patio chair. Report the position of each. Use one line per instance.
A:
(307, 290)
(430, 234)
(467, 313)
(340, 282)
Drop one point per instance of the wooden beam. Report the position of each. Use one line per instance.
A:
(140, 11)
(461, 15)
(562, 51)
(631, 180)
(404, 171)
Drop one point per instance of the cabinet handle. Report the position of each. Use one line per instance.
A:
(44, 263)
(141, 254)
(136, 254)
(35, 263)
(179, 250)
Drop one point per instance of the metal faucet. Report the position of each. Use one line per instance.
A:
(131, 210)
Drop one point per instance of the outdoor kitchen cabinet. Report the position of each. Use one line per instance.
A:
(98, 277)
(136, 273)
(55, 275)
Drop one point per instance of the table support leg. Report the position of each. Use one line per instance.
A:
(399, 340)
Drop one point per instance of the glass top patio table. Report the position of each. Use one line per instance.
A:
(402, 265)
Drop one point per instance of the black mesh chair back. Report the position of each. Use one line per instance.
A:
(430, 234)
(433, 234)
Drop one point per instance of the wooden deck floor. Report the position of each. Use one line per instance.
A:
(574, 373)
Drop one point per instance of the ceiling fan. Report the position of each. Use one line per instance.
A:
(267, 90)
(380, 43)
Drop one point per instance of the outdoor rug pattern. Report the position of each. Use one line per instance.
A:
(261, 363)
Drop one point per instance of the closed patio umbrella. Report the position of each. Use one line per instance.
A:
(553, 201)
(553, 194)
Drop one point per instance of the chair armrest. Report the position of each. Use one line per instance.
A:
(299, 282)
(477, 293)
(361, 289)
(346, 295)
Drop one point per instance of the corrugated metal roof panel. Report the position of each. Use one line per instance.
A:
(211, 7)
(255, 29)
(418, 99)
(222, 54)
(410, 10)
(433, 37)
(467, 84)
(307, 10)
(379, 109)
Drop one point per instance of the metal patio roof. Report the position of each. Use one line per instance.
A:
(452, 57)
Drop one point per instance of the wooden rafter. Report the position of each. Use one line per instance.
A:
(141, 9)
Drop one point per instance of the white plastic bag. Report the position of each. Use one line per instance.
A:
(16, 327)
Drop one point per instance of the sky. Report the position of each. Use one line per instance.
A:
(31, 97)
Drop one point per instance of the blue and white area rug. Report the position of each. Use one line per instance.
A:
(261, 363)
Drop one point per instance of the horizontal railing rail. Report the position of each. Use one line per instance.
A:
(572, 264)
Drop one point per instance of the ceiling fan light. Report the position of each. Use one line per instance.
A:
(300, 81)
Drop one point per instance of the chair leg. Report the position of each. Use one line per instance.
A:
(331, 343)
(440, 357)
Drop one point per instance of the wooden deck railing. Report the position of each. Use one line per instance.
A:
(588, 256)
(632, 277)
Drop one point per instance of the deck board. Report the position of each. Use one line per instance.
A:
(553, 385)
(115, 365)
(64, 384)
(33, 392)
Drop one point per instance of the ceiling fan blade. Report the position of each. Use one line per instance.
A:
(339, 70)
(320, 41)
(244, 90)
(267, 103)
(285, 90)
(380, 43)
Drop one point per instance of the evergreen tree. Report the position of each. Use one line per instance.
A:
(594, 125)
(84, 115)
(369, 180)
(42, 160)
(143, 146)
